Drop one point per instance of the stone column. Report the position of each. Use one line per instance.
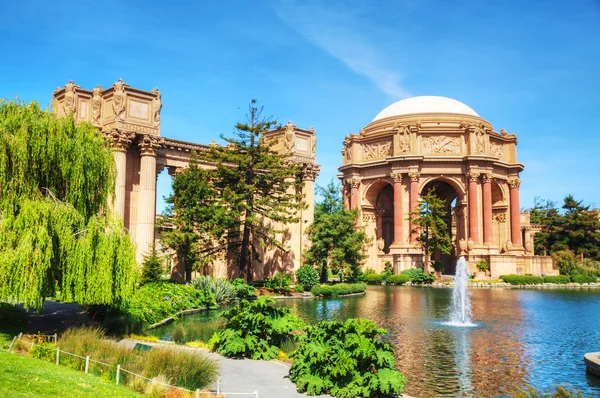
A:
(146, 211)
(515, 213)
(346, 194)
(398, 210)
(413, 202)
(119, 142)
(487, 209)
(309, 173)
(354, 197)
(473, 207)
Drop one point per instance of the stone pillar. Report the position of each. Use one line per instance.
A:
(119, 142)
(354, 197)
(346, 194)
(146, 211)
(413, 202)
(487, 209)
(398, 210)
(515, 213)
(473, 207)
(309, 173)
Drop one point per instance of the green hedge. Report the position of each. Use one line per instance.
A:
(373, 279)
(581, 278)
(339, 289)
(560, 279)
(398, 279)
(522, 279)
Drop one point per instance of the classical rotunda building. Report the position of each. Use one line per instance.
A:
(439, 143)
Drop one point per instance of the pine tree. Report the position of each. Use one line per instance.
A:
(430, 224)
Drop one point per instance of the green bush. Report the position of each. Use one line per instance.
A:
(438, 266)
(242, 289)
(581, 278)
(481, 266)
(156, 301)
(399, 279)
(256, 330)
(412, 273)
(565, 261)
(345, 359)
(223, 290)
(281, 282)
(152, 269)
(418, 277)
(560, 279)
(338, 289)
(373, 279)
(307, 276)
(522, 279)
(299, 288)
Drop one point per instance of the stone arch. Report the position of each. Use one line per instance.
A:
(498, 194)
(372, 190)
(454, 182)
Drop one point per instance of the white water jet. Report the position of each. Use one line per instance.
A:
(461, 314)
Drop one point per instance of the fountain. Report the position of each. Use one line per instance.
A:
(461, 298)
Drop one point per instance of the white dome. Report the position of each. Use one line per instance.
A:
(425, 104)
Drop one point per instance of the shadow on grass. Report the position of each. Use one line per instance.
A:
(13, 320)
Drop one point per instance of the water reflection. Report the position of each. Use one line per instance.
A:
(522, 337)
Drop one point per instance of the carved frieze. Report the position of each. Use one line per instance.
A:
(369, 217)
(441, 145)
(496, 149)
(378, 150)
(479, 139)
(403, 139)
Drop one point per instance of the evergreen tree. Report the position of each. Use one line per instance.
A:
(430, 224)
(56, 232)
(250, 190)
(337, 244)
(152, 268)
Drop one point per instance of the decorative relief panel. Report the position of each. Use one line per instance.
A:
(83, 110)
(441, 145)
(497, 149)
(302, 144)
(140, 110)
(378, 150)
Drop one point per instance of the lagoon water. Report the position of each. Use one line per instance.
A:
(521, 337)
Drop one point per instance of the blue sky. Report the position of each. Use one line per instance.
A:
(532, 67)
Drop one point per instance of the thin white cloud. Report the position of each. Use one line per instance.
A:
(336, 31)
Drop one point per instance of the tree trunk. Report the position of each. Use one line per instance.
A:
(245, 260)
(324, 273)
(188, 272)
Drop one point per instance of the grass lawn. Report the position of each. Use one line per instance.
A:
(30, 377)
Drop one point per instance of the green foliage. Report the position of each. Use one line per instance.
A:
(588, 267)
(281, 281)
(399, 279)
(152, 268)
(559, 279)
(186, 369)
(299, 288)
(56, 231)
(308, 276)
(481, 265)
(154, 302)
(574, 228)
(522, 279)
(242, 289)
(374, 279)
(345, 359)
(223, 290)
(438, 266)
(430, 224)
(337, 242)
(416, 276)
(565, 261)
(582, 278)
(255, 330)
(339, 289)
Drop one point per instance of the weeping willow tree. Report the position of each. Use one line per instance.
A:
(56, 233)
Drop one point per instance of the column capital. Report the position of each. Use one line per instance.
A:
(414, 176)
(119, 140)
(486, 178)
(149, 144)
(310, 171)
(473, 176)
(396, 176)
(354, 183)
(514, 184)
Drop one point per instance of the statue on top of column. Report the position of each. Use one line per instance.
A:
(119, 100)
(289, 137)
(157, 106)
(70, 95)
(96, 105)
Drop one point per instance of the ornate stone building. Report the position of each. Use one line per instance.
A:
(438, 143)
(129, 119)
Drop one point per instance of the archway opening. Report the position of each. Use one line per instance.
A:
(384, 208)
(448, 194)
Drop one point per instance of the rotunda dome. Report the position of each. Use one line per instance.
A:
(425, 104)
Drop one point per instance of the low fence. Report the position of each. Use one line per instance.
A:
(120, 373)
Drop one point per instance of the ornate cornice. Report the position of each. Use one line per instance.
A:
(149, 145)
(414, 176)
(396, 176)
(119, 140)
(473, 176)
(310, 171)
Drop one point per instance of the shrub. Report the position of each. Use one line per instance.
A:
(339, 289)
(560, 279)
(588, 267)
(152, 269)
(373, 279)
(307, 276)
(481, 265)
(522, 279)
(423, 279)
(385, 274)
(156, 301)
(438, 266)
(565, 261)
(281, 281)
(345, 359)
(299, 288)
(223, 290)
(399, 279)
(370, 271)
(242, 289)
(581, 278)
(255, 330)
(412, 273)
